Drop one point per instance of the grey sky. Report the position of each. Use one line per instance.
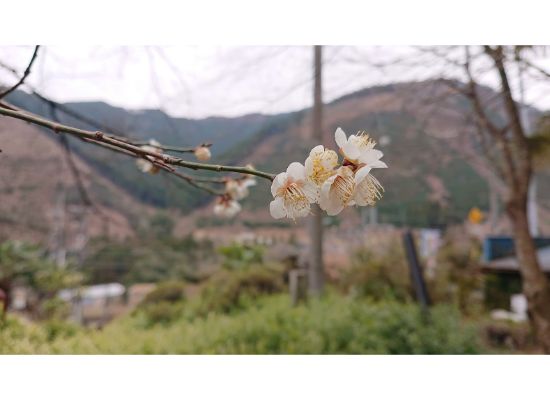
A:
(204, 80)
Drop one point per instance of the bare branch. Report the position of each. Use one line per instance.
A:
(25, 74)
(174, 148)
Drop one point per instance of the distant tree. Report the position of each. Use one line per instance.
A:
(17, 260)
(24, 264)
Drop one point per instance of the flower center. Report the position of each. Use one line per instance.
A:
(365, 142)
(293, 193)
(294, 199)
(343, 187)
(370, 190)
(319, 173)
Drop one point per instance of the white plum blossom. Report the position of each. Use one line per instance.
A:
(338, 191)
(293, 193)
(202, 153)
(238, 188)
(320, 164)
(362, 157)
(143, 164)
(359, 149)
(226, 207)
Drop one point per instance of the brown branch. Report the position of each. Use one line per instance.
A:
(194, 182)
(522, 160)
(173, 148)
(497, 56)
(486, 124)
(189, 179)
(540, 70)
(116, 142)
(86, 199)
(25, 74)
(79, 117)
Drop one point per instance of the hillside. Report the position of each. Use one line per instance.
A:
(40, 199)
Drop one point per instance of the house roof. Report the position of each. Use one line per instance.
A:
(94, 292)
(511, 263)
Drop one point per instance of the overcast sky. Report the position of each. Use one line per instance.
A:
(204, 80)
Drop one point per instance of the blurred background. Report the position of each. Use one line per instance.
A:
(97, 257)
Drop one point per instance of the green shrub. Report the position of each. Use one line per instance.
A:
(457, 278)
(162, 312)
(231, 290)
(162, 305)
(332, 325)
(378, 276)
(166, 292)
(54, 308)
(239, 256)
(23, 337)
(57, 328)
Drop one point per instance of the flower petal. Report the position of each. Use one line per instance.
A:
(277, 208)
(144, 165)
(361, 174)
(248, 182)
(334, 206)
(378, 164)
(218, 209)
(233, 209)
(296, 171)
(154, 143)
(308, 165)
(325, 187)
(311, 191)
(350, 151)
(317, 150)
(340, 137)
(279, 181)
(325, 200)
(370, 156)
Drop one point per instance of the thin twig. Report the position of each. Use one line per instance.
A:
(25, 74)
(173, 148)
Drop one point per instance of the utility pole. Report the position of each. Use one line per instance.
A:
(316, 266)
(57, 243)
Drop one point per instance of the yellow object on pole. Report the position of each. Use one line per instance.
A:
(475, 216)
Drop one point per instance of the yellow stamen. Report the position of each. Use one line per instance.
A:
(370, 190)
(365, 141)
(344, 187)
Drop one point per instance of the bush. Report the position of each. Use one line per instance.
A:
(239, 256)
(57, 328)
(54, 308)
(162, 312)
(332, 325)
(162, 305)
(378, 276)
(458, 278)
(23, 337)
(167, 292)
(232, 290)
